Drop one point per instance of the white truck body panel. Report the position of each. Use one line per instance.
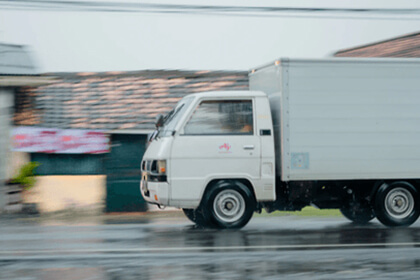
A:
(193, 161)
(344, 119)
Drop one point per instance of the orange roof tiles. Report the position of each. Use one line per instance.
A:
(404, 46)
(116, 100)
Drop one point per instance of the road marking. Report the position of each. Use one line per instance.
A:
(209, 248)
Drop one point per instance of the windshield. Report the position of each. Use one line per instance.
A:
(172, 118)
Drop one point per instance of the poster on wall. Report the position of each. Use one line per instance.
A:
(59, 141)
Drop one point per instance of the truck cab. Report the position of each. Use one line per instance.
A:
(213, 156)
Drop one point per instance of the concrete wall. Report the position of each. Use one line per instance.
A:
(6, 105)
(16, 160)
(57, 193)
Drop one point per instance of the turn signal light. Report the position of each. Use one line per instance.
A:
(161, 167)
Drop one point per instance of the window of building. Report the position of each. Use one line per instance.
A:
(229, 117)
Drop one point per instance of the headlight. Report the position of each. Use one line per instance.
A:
(158, 171)
(158, 167)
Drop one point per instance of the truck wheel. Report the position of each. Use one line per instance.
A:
(397, 204)
(358, 213)
(195, 216)
(228, 204)
(189, 213)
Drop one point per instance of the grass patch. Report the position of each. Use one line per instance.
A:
(308, 211)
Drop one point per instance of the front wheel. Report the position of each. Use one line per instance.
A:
(358, 212)
(228, 204)
(195, 216)
(397, 204)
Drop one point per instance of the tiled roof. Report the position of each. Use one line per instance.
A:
(404, 46)
(116, 100)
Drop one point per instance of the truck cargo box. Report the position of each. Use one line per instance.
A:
(344, 119)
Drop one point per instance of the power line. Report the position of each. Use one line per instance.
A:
(243, 11)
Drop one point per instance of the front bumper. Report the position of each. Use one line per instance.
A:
(155, 192)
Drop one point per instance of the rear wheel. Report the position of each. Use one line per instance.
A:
(397, 204)
(228, 204)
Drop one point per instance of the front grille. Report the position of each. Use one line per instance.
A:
(146, 165)
(157, 178)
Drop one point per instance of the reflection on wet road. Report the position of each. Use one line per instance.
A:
(268, 248)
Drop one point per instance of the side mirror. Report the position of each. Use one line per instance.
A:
(159, 121)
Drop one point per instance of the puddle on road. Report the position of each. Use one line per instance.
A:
(64, 273)
(264, 269)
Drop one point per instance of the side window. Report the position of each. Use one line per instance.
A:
(228, 117)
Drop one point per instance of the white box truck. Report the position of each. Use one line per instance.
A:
(332, 133)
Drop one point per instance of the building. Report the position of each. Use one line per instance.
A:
(16, 70)
(124, 105)
(403, 46)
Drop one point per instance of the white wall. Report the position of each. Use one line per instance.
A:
(59, 193)
(16, 161)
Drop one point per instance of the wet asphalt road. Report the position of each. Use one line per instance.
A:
(287, 247)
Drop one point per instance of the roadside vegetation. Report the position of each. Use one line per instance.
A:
(308, 211)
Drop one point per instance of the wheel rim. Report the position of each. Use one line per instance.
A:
(399, 203)
(229, 206)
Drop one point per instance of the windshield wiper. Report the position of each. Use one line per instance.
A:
(165, 118)
(171, 116)
(154, 135)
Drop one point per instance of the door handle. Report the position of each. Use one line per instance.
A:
(248, 147)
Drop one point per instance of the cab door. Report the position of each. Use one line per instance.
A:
(218, 140)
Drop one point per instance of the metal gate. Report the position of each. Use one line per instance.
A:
(123, 173)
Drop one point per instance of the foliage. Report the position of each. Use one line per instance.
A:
(26, 175)
(308, 211)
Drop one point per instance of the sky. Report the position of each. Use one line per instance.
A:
(93, 41)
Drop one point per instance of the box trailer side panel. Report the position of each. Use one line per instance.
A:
(351, 120)
(347, 119)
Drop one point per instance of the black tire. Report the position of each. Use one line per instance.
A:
(359, 213)
(195, 216)
(228, 204)
(397, 204)
(189, 213)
